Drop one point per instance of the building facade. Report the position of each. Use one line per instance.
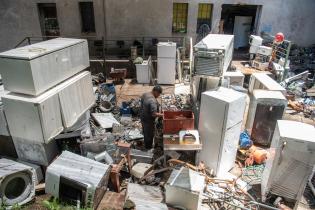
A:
(128, 19)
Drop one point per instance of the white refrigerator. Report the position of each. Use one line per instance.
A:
(166, 63)
(220, 121)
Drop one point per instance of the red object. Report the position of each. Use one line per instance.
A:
(175, 121)
(279, 37)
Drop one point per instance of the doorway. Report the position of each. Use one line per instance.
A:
(48, 19)
(240, 20)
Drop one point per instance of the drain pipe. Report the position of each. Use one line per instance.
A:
(190, 57)
(179, 66)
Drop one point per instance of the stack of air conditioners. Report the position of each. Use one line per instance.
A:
(213, 55)
(212, 58)
(48, 94)
(220, 122)
(290, 163)
(259, 54)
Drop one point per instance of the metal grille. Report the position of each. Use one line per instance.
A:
(211, 66)
(287, 184)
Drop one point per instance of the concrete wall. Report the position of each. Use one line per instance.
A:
(137, 18)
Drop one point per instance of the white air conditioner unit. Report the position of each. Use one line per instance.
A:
(263, 81)
(17, 183)
(266, 107)
(72, 177)
(234, 77)
(35, 68)
(220, 122)
(291, 161)
(213, 54)
(40, 119)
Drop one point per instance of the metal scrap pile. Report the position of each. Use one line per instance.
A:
(302, 59)
(176, 102)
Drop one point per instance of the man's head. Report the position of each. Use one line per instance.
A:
(156, 91)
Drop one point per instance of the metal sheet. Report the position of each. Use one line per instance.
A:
(35, 68)
(105, 120)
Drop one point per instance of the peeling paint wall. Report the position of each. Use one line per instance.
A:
(137, 18)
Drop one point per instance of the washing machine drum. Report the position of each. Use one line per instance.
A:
(16, 188)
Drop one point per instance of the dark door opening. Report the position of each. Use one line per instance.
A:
(240, 20)
(48, 19)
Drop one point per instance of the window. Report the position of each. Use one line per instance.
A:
(204, 16)
(48, 19)
(87, 17)
(180, 11)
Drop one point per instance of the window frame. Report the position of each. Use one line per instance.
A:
(86, 20)
(180, 17)
(204, 15)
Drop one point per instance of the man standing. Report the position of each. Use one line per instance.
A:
(148, 113)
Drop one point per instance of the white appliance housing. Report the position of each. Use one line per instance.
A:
(213, 54)
(220, 122)
(265, 108)
(263, 81)
(72, 175)
(255, 42)
(35, 68)
(166, 63)
(17, 183)
(201, 83)
(291, 160)
(39, 119)
(184, 188)
(34, 152)
(264, 50)
(235, 78)
(4, 129)
(143, 72)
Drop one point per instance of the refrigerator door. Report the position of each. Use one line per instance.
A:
(230, 139)
(166, 71)
(211, 121)
(166, 50)
(76, 97)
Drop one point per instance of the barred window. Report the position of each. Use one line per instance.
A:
(180, 11)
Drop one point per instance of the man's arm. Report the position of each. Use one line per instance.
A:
(154, 110)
